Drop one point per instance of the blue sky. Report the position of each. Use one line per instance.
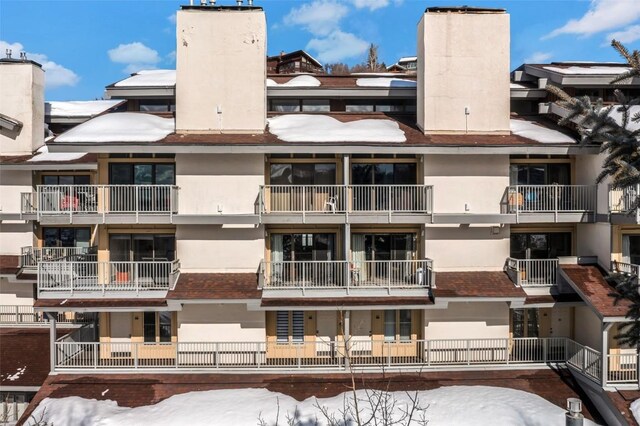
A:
(85, 45)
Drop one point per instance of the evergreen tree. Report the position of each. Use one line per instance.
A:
(612, 128)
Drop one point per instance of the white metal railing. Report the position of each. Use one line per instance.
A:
(30, 256)
(622, 368)
(101, 199)
(350, 275)
(551, 198)
(436, 354)
(625, 268)
(586, 360)
(130, 276)
(624, 200)
(11, 411)
(532, 272)
(25, 314)
(346, 198)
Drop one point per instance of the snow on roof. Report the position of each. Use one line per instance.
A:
(149, 78)
(120, 127)
(408, 59)
(79, 108)
(43, 154)
(321, 128)
(385, 82)
(635, 409)
(597, 70)
(518, 86)
(530, 130)
(299, 81)
(447, 405)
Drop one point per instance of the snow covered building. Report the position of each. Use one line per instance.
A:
(248, 221)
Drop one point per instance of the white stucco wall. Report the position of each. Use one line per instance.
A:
(22, 99)
(220, 323)
(463, 63)
(12, 293)
(221, 71)
(479, 181)
(594, 239)
(463, 320)
(213, 248)
(226, 182)
(13, 182)
(587, 328)
(465, 248)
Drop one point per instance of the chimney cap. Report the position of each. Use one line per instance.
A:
(464, 9)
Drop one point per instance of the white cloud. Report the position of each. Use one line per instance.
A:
(172, 18)
(374, 4)
(55, 74)
(337, 46)
(628, 35)
(320, 17)
(136, 55)
(603, 15)
(538, 58)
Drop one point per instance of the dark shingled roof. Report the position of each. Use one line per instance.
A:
(23, 159)
(216, 286)
(24, 355)
(9, 264)
(589, 281)
(494, 284)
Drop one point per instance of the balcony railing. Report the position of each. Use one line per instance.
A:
(622, 368)
(26, 315)
(625, 268)
(532, 272)
(551, 199)
(337, 355)
(133, 276)
(101, 199)
(346, 199)
(625, 201)
(365, 274)
(30, 256)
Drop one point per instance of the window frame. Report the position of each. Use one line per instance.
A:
(291, 317)
(393, 318)
(157, 327)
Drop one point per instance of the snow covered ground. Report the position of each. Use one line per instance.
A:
(635, 409)
(451, 406)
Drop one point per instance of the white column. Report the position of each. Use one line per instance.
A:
(606, 326)
(51, 316)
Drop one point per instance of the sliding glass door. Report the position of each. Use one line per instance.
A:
(298, 258)
(379, 257)
(373, 190)
(146, 198)
(302, 186)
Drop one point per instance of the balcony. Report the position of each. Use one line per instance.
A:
(345, 203)
(72, 355)
(551, 203)
(30, 256)
(532, 272)
(86, 279)
(341, 278)
(625, 268)
(25, 315)
(623, 205)
(96, 203)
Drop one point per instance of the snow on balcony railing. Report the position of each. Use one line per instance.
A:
(532, 272)
(101, 199)
(307, 275)
(346, 199)
(131, 276)
(551, 198)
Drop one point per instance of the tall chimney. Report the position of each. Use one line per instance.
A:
(220, 70)
(463, 71)
(22, 105)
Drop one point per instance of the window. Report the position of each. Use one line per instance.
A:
(285, 105)
(290, 326)
(384, 173)
(303, 174)
(525, 323)
(359, 106)
(540, 174)
(142, 247)
(397, 325)
(158, 105)
(66, 180)
(66, 237)
(631, 249)
(542, 245)
(157, 327)
(142, 174)
(316, 105)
